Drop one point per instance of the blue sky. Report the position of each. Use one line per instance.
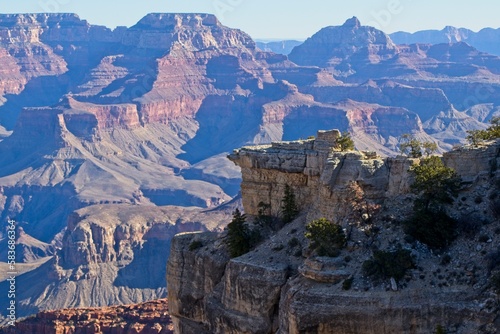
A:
(282, 18)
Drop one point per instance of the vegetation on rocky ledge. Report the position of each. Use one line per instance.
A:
(414, 148)
(327, 238)
(389, 264)
(345, 142)
(435, 185)
(477, 137)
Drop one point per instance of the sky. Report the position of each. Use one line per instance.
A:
(282, 19)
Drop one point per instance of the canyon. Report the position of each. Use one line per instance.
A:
(114, 141)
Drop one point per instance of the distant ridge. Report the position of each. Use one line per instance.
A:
(282, 47)
(487, 39)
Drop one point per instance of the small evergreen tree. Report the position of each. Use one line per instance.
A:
(327, 238)
(238, 235)
(434, 182)
(415, 148)
(476, 137)
(289, 209)
(264, 217)
(345, 142)
(429, 148)
(436, 185)
(410, 146)
(387, 264)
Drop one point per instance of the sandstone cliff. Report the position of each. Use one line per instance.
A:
(279, 287)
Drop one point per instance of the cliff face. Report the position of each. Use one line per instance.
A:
(112, 249)
(279, 287)
(318, 176)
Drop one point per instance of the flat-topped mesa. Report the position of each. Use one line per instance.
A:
(194, 31)
(176, 20)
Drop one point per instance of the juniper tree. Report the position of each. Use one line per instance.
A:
(327, 238)
(435, 185)
(345, 142)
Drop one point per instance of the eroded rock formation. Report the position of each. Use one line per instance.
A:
(146, 318)
(280, 287)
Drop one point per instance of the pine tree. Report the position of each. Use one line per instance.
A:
(289, 209)
(238, 235)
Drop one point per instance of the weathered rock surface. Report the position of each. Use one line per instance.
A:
(318, 176)
(280, 288)
(111, 255)
(146, 318)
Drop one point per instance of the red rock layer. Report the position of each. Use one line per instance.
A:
(146, 318)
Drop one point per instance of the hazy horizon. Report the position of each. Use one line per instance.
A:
(278, 20)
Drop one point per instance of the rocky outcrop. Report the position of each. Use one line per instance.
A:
(307, 308)
(281, 287)
(146, 318)
(318, 176)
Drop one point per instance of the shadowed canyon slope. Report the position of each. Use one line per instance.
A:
(120, 136)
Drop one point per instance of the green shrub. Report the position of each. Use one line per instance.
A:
(414, 148)
(435, 229)
(264, 217)
(476, 137)
(327, 238)
(195, 245)
(436, 185)
(347, 284)
(387, 264)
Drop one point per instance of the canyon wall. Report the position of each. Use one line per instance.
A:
(280, 287)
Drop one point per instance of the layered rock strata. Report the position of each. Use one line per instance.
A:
(279, 287)
(146, 318)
